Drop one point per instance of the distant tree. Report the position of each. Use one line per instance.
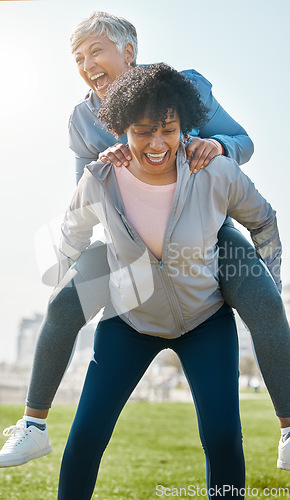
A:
(248, 366)
(170, 358)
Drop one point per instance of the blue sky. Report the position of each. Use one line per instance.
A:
(242, 47)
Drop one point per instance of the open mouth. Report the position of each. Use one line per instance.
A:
(100, 81)
(156, 159)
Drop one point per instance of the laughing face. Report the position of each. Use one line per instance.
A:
(154, 149)
(100, 63)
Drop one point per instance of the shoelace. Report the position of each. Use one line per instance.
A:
(16, 433)
(284, 438)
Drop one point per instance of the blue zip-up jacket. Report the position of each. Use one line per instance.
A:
(88, 136)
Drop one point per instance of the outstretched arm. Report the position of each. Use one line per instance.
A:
(224, 129)
(221, 127)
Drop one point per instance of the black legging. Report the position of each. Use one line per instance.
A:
(209, 357)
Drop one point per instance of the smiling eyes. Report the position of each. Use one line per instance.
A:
(148, 132)
(94, 52)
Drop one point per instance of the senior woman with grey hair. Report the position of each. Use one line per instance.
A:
(105, 47)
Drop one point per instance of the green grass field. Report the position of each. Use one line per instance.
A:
(153, 444)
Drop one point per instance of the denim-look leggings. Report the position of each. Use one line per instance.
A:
(209, 357)
(250, 290)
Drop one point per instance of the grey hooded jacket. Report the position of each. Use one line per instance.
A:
(169, 297)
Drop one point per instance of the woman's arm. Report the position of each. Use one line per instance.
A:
(221, 126)
(77, 227)
(83, 153)
(222, 135)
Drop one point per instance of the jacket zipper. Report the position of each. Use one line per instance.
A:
(173, 302)
(167, 285)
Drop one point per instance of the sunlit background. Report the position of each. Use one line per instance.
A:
(241, 46)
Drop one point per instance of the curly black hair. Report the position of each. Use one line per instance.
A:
(152, 91)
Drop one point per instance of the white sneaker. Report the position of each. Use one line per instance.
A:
(24, 444)
(283, 461)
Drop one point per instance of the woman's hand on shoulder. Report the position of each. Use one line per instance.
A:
(119, 155)
(199, 152)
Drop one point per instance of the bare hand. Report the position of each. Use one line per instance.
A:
(119, 155)
(199, 152)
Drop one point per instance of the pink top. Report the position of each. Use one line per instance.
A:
(147, 207)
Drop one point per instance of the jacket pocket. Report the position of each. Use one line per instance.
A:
(122, 291)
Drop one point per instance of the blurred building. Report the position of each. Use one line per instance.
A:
(27, 335)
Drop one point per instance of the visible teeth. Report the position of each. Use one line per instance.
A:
(159, 155)
(156, 157)
(97, 76)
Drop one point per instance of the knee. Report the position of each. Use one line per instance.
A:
(236, 274)
(269, 305)
(79, 439)
(255, 291)
(64, 304)
(270, 295)
(262, 296)
(82, 440)
(226, 441)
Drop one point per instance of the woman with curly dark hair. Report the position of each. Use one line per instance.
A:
(161, 224)
(172, 92)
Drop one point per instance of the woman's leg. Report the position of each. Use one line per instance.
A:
(209, 356)
(71, 306)
(121, 356)
(63, 320)
(248, 287)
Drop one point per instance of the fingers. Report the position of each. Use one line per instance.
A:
(202, 158)
(200, 152)
(119, 155)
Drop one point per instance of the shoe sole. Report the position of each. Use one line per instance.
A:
(26, 459)
(283, 465)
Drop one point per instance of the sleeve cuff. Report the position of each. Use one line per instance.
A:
(219, 145)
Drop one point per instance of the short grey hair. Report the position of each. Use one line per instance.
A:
(117, 29)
